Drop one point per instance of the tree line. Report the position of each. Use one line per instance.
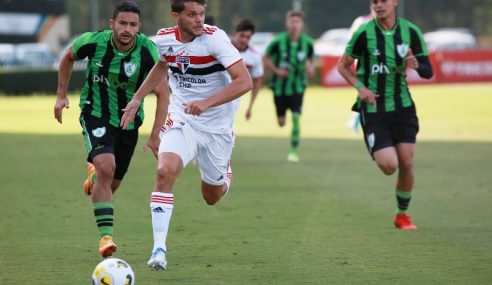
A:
(321, 15)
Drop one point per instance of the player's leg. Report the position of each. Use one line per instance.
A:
(405, 132)
(213, 160)
(174, 155)
(295, 105)
(99, 141)
(124, 149)
(280, 108)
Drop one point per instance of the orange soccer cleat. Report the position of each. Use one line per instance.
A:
(88, 183)
(403, 222)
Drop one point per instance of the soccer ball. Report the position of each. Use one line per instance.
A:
(113, 271)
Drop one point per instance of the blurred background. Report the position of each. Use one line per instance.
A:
(34, 34)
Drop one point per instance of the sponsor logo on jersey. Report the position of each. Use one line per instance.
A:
(183, 62)
(99, 132)
(379, 69)
(130, 68)
(301, 56)
(376, 52)
(112, 81)
(402, 50)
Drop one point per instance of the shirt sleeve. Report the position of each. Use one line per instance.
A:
(417, 42)
(257, 70)
(356, 45)
(223, 50)
(79, 46)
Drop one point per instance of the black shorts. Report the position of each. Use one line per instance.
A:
(284, 102)
(389, 129)
(101, 137)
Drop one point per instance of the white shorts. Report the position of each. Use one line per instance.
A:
(212, 151)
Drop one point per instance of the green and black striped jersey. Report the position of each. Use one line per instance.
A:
(112, 77)
(287, 54)
(381, 66)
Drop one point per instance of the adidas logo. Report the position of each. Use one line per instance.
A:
(220, 178)
(158, 210)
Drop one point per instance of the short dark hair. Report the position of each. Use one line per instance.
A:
(178, 5)
(245, 25)
(125, 6)
(295, 13)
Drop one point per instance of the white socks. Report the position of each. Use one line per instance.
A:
(161, 209)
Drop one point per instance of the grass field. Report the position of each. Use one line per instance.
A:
(326, 220)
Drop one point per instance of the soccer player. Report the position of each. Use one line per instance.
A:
(119, 60)
(245, 29)
(385, 47)
(290, 58)
(205, 73)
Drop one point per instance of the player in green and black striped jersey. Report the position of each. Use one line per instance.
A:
(119, 59)
(290, 59)
(385, 47)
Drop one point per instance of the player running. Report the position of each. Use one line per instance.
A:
(119, 60)
(200, 61)
(385, 47)
(290, 58)
(245, 29)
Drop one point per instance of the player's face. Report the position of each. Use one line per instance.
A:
(241, 39)
(125, 26)
(191, 19)
(384, 8)
(294, 25)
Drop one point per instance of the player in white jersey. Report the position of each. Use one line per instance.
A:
(245, 29)
(205, 74)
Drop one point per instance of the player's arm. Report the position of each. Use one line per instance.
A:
(64, 73)
(254, 93)
(267, 62)
(421, 64)
(161, 90)
(310, 69)
(155, 76)
(345, 69)
(240, 84)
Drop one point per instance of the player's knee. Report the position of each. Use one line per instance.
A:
(105, 170)
(406, 166)
(166, 172)
(388, 168)
(281, 122)
(210, 200)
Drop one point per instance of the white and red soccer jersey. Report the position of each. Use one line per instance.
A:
(197, 70)
(252, 60)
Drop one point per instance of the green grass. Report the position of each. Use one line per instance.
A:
(326, 220)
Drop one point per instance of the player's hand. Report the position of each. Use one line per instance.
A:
(367, 96)
(153, 144)
(411, 60)
(195, 107)
(60, 103)
(282, 73)
(248, 114)
(129, 113)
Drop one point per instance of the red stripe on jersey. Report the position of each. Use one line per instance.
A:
(234, 63)
(166, 31)
(194, 59)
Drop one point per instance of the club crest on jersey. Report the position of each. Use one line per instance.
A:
(130, 68)
(402, 50)
(183, 62)
(99, 132)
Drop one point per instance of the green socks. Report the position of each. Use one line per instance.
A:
(296, 131)
(402, 200)
(104, 218)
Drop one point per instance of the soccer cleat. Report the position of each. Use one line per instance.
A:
(403, 222)
(91, 171)
(107, 246)
(158, 260)
(293, 156)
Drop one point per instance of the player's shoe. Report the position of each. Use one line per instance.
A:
(293, 156)
(158, 260)
(107, 246)
(403, 222)
(91, 171)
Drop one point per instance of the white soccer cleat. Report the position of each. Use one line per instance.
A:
(158, 260)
